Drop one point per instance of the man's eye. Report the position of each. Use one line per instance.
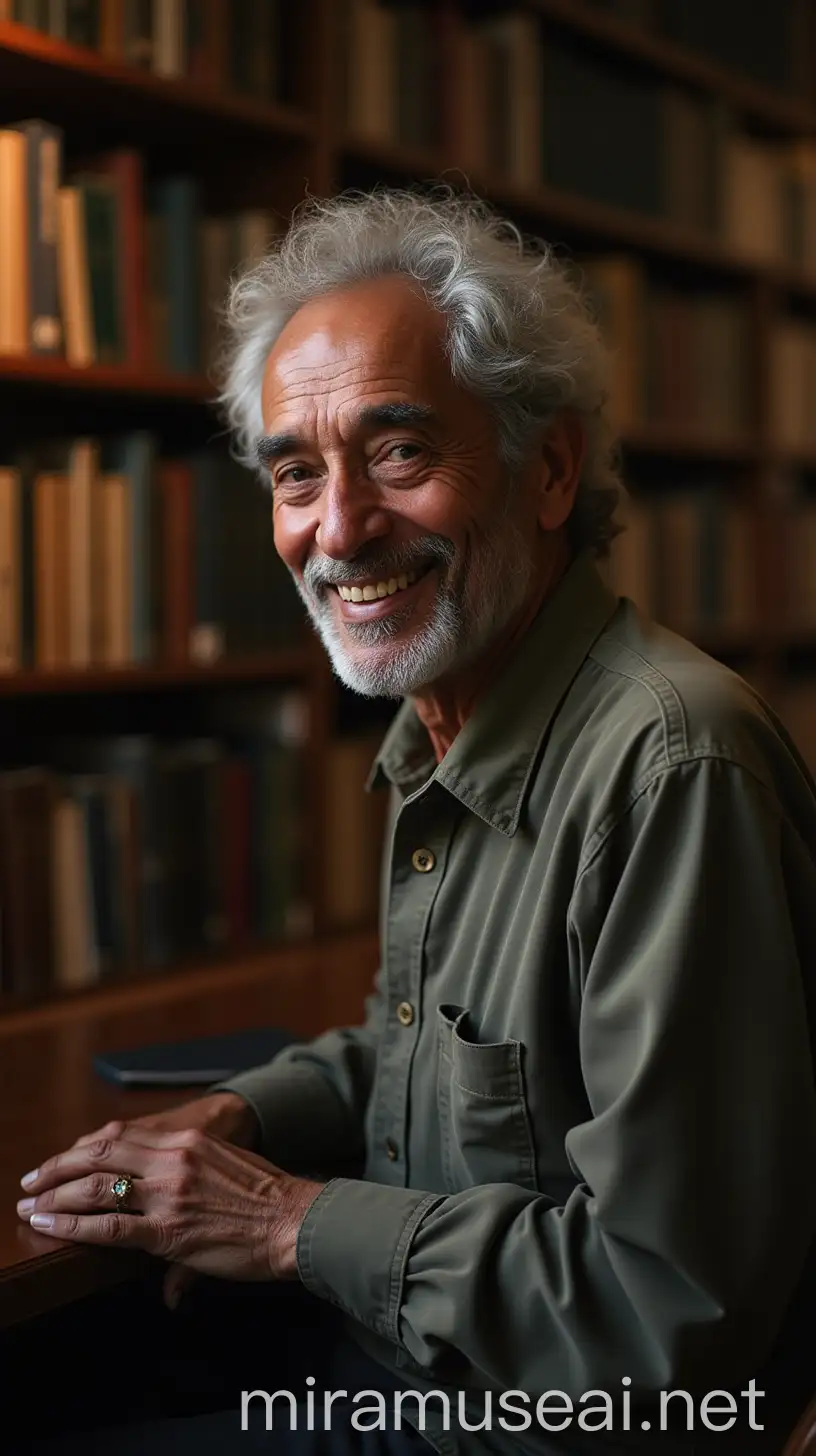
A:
(293, 475)
(408, 446)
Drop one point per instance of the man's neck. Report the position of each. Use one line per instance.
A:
(445, 707)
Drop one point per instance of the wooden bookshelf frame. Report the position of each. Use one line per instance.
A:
(38, 73)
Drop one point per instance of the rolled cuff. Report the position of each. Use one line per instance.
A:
(353, 1248)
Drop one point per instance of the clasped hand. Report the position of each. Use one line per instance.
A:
(196, 1200)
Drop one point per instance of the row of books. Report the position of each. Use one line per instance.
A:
(687, 558)
(221, 45)
(134, 853)
(131, 854)
(111, 268)
(113, 555)
(534, 108)
(681, 357)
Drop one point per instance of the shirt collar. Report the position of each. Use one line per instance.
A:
(490, 762)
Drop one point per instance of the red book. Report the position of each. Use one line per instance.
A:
(175, 481)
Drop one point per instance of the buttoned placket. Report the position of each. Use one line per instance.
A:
(420, 843)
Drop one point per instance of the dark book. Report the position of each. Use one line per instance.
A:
(198, 1062)
(601, 129)
(206, 641)
(137, 33)
(175, 489)
(125, 169)
(134, 456)
(44, 171)
(26, 881)
(102, 230)
(82, 23)
(417, 80)
(176, 203)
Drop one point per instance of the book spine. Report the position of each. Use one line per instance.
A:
(100, 206)
(175, 489)
(44, 145)
(178, 206)
(10, 571)
(15, 308)
(74, 279)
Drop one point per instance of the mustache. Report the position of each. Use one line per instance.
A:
(426, 550)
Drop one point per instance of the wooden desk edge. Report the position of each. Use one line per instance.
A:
(47, 1281)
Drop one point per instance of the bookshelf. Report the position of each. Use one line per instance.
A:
(318, 129)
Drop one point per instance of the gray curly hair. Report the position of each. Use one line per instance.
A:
(520, 334)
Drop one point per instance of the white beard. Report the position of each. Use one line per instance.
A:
(391, 661)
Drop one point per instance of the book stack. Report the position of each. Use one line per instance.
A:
(112, 268)
(129, 854)
(687, 558)
(221, 45)
(113, 555)
(679, 356)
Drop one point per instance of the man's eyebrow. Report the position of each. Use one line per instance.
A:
(396, 414)
(271, 447)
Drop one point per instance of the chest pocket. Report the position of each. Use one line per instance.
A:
(484, 1122)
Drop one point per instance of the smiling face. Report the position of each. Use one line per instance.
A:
(392, 509)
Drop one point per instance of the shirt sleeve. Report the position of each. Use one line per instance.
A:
(310, 1100)
(675, 1257)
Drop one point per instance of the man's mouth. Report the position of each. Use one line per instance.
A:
(371, 598)
(372, 591)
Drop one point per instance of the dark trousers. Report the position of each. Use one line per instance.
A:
(122, 1374)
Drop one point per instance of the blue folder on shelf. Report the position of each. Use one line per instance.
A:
(193, 1063)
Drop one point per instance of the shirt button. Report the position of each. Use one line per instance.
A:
(391, 1149)
(405, 1013)
(423, 860)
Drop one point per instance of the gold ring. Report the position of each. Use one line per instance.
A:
(121, 1190)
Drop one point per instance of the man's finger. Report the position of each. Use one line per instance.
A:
(92, 1193)
(102, 1228)
(103, 1155)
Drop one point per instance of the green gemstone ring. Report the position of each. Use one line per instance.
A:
(121, 1191)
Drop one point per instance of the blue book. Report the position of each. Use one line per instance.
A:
(195, 1063)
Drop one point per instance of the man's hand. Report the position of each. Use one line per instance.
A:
(223, 1114)
(196, 1200)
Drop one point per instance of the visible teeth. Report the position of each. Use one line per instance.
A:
(374, 591)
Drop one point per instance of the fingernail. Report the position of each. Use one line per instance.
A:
(42, 1220)
(30, 1178)
(25, 1205)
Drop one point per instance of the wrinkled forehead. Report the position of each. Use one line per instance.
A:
(376, 338)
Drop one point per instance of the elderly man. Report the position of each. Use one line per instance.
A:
(577, 1132)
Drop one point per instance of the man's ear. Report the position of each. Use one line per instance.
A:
(563, 451)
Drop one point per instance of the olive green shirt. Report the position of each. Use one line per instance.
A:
(583, 1098)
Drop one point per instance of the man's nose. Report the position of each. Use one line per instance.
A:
(351, 514)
